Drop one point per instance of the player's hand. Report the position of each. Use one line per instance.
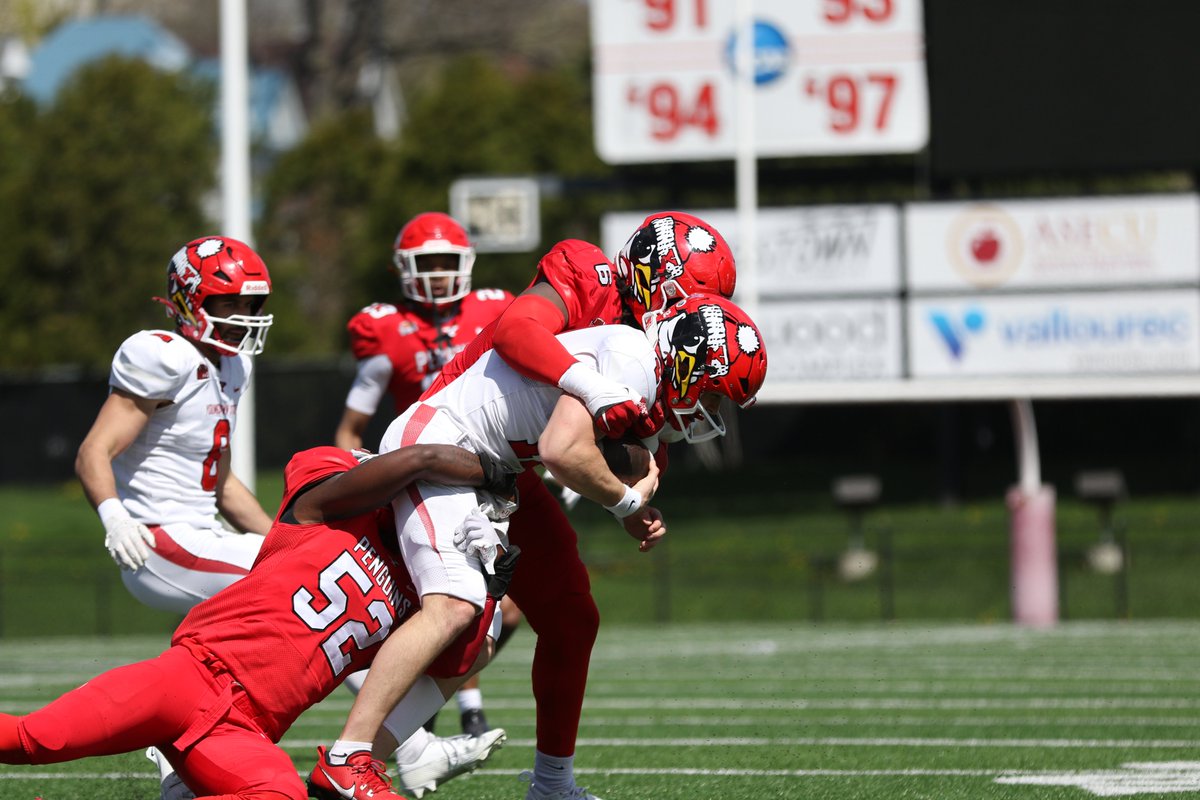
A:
(647, 526)
(630, 416)
(129, 543)
(615, 407)
(506, 564)
(477, 536)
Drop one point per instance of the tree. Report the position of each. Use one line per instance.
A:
(114, 176)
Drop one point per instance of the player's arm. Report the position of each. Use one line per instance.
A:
(122, 417)
(370, 384)
(525, 337)
(237, 503)
(350, 430)
(568, 449)
(374, 482)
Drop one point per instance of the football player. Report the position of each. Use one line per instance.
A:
(155, 464)
(399, 351)
(325, 591)
(704, 348)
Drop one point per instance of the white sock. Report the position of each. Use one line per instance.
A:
(342, 749)
(469, 700)
(412, 747)
(553, 774)
(422, 702)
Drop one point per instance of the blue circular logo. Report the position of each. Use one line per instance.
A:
(771, 53)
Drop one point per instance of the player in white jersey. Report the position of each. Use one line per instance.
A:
(155, 463)
(696, 353)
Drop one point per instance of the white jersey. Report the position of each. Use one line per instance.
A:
(169, 473)
(504, 413)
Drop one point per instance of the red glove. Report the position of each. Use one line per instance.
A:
(630, 416)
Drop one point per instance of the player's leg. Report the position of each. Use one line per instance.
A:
(424, 761)
(235, 761)
(124, 709)
(551, 587)
(191, 564)
(470, 696)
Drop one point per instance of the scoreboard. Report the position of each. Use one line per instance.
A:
(831, 77)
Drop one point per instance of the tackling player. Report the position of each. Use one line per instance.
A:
(704, 348)
(400, 349)
(325, 591)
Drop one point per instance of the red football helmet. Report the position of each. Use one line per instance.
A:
(670, 256)
(210, 267)
(427, 234)
(706, 345)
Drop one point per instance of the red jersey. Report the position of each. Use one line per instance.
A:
(585, 281)
(417, 342)
(314, 608)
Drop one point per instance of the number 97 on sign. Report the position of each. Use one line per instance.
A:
(853, 102)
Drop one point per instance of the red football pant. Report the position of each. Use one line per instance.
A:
(156, 702)
(551, 587)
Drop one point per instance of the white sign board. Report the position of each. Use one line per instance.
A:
(502, 215)
(830, 340)
(1096, 334)
(1045, 244)
(805, 251)
(830, 77)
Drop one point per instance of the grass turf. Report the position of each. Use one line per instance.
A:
(780, 710)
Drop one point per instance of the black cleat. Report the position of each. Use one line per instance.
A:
(474, 723)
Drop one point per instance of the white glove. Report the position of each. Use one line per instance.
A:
(129, 542)
(477, 536)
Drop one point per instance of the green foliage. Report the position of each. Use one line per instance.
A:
(315, 237)
(110, 184)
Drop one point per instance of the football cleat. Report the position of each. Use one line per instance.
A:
(171, 786)
(571, 793)
(360, 778)
(474, 723)
(445, 758)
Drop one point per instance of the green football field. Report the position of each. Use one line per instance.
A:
(748, 711)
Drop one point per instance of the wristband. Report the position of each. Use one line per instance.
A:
(111, 511)
(627, 505)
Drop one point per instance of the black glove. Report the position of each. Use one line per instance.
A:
(505, 566)
(496, 479)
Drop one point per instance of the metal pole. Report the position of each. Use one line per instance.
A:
(747, 160)
(235, 192)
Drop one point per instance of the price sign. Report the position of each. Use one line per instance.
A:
(831, 77)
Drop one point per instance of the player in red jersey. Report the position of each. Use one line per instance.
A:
(325, 591)
(669, 256)
(400, 350)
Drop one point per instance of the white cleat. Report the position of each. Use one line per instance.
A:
(572, 793)
(446, 757)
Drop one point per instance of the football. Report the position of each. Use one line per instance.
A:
(628, 458)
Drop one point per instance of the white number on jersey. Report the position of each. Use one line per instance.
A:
(302, 604)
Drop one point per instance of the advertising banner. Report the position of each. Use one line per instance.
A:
(1044, 244)
(832, 340)
(803, 251)
(1061, 335)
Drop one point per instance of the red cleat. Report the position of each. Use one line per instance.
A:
(359, 778)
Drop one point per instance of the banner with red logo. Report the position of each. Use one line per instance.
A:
(1050, 244)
